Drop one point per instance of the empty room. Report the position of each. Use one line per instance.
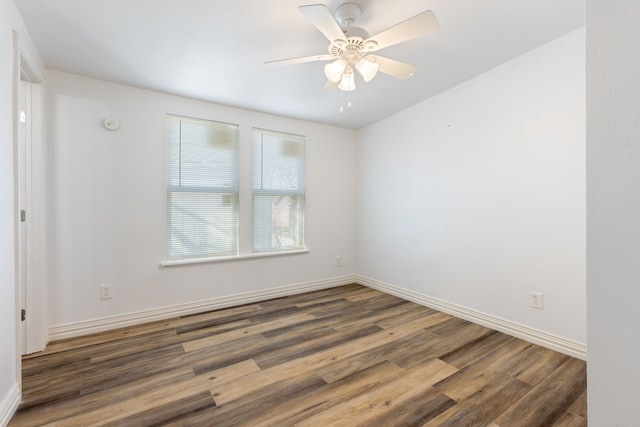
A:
(358, 213)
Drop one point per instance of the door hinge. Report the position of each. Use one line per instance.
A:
(23, 315)
(23, 215)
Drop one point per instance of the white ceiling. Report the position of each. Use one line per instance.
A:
(215, 50)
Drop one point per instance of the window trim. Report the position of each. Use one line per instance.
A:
(243, 253)
(227, 258)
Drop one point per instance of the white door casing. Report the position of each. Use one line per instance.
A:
(31, 232)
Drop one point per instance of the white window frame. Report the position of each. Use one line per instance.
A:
(232, 191)
(258, 191)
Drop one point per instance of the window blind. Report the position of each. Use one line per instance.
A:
(202, 188)
(278, 181)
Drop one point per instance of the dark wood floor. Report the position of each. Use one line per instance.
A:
(348, 356)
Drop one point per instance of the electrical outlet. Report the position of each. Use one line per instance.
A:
(338, 261)
(106, 292)
(537, 300)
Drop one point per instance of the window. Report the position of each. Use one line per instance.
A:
(278, 191)
(202, 188)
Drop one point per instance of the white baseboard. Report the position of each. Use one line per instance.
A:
(535, 336)
(526, 333)
(9, 405)
(137, 318)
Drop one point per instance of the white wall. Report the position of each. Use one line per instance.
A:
(8, 317)
(613, 212)
(477, 196)
(10, 21)
(108, 203)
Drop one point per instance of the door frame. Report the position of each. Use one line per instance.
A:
(31, 293)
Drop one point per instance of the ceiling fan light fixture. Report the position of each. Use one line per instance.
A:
(347, 82)
(333, 70)
(368, 67)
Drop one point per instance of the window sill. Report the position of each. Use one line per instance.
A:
(176, 262)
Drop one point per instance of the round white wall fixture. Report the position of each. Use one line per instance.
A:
(111, 123)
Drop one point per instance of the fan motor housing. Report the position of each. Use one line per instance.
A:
(347, 14)
(353, 48)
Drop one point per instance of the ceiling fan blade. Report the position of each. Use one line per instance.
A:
(300, 60)
(417, 26)
(394, 68)
(320, 16)
(330, 86)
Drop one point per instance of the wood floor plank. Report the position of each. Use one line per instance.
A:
(306, 405)
(379, 314)
(407, 314)
(374, 406)
(363, 294)
(266, 349)
(284, 354)
(485, 405)
(256, 403)
(551, 397)
(160, 415)
(436, 348)
(338, 321)
(421, 322)
(50, 391)
(473, 377)
(306, 337)
(319, 295)
(101, 337)
(192, 323)
(540, 363)
(413, 409)
(61, 408)
(115, 372)
(154, 399)
(579, 407)
(467, 382)
(354, 295)
(202, 343)
(337, 307)
(348, 355)
(227, 392)
(475, 350)
(137, 346)
(571, 420)
(383, 301)
(370, 357)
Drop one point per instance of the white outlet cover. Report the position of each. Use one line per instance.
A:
(106, 292)
(537, 300)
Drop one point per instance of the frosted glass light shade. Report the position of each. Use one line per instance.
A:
(334, 70)
(368, 67)
(347, 82)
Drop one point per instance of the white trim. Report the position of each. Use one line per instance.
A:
(10, 404)
(545, 339)
(187, 261)
(36, 286)
(136, 318)
(32, 290)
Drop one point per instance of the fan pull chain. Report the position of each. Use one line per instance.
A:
(348, 102)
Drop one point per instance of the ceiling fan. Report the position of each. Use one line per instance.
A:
(351, 47)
